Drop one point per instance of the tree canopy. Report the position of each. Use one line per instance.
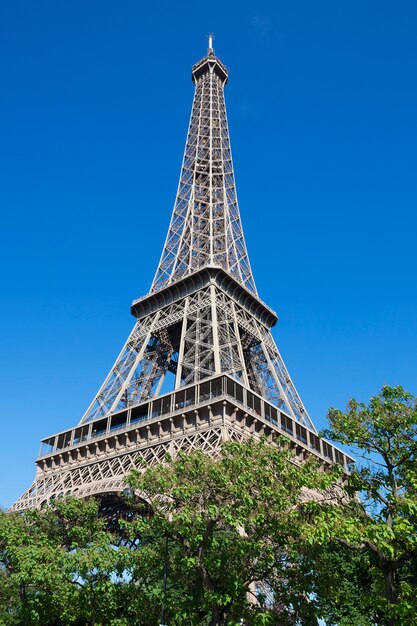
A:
(236, 525)
(380, 518)
(236, 539)
(59, 566)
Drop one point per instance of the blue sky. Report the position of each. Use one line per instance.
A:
(96, 98)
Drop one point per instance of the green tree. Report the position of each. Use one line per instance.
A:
(59, 566)
(233, 524)
(342, 583)
(380, 515)
(240, 546)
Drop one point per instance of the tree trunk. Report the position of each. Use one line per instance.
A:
(22, 592)
(217, 616)
(391, 592)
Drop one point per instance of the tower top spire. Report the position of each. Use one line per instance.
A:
(210, 38)
(210, 63)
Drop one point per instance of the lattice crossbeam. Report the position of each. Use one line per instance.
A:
(204, 334)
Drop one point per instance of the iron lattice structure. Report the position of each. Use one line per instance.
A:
(205, 228)
(202, 323)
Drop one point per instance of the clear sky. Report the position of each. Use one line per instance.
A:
(94, 108)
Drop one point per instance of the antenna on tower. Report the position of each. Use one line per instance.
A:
(210, 43)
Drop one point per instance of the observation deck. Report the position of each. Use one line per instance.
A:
(190, 284)
(210, 63)
(205, 404)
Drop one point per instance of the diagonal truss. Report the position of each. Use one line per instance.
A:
(206, 228)
(202, 334)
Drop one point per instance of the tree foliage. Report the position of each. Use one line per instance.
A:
(59, 566)
(239, 537)
(234, 528)
(380, 517)
(235, 525)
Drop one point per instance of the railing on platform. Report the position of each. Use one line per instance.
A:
(223, 386)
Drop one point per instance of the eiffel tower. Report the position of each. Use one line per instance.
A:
(202, 326)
